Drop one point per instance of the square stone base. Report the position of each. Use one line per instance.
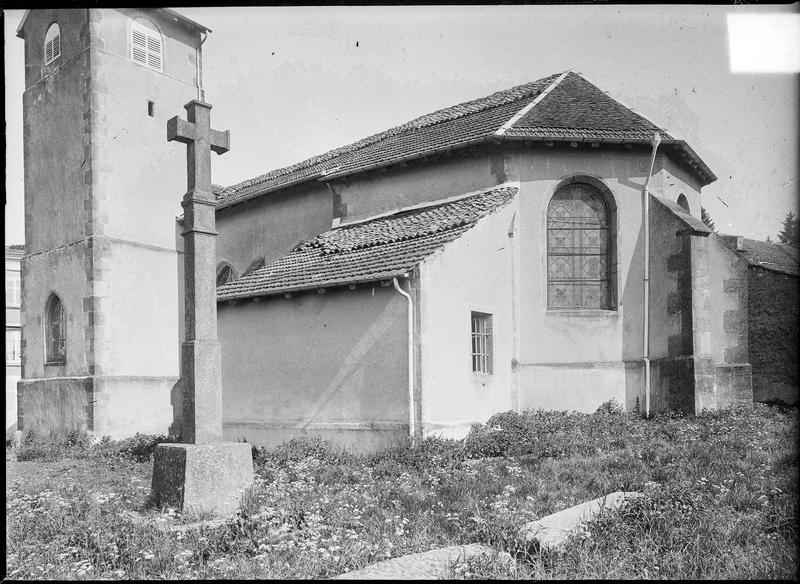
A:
(202, 478)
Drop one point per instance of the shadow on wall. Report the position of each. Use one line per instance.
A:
(176, 399)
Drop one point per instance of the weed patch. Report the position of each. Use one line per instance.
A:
(720, 501)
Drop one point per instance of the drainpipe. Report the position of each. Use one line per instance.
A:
(646, 280)
(198, 56)
(411, 408)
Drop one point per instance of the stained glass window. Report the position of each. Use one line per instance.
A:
(56, 330)
(578, 249)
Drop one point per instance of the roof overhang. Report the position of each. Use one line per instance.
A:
(288, 291)
(678, 148)
(167, 13)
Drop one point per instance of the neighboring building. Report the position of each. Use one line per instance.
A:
(14, 254)
(485, 257)
(773, 310)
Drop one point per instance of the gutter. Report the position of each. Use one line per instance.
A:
(646, 278)
(411, 403)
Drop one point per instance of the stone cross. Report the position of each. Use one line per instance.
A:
(201, 370)
(204, 473)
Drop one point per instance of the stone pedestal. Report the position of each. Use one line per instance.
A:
(202, 478)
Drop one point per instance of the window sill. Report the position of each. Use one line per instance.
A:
(55, 363)
(589, 312)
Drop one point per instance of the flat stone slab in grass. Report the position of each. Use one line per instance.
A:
(553, 530)
(431, 565)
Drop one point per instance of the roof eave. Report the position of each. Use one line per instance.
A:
(22, 24)
(706, 175)
(185, 21)
(408, 157)
(308, 287)
(702, 170)
(172, 14)
(230, 203)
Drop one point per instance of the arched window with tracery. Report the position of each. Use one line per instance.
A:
(55, 330)
(580, 267)
(225, 274)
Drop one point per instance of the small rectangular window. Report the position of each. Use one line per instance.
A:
(13, 285)
(13, 346)
(151, 108)
(481, 343)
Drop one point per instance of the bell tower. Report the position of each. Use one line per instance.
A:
(102, 274)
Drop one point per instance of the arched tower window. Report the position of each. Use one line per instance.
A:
(55, 332)
(225, 274)
(683, 203)
(580, 266)
(146, 46)
(52, 44)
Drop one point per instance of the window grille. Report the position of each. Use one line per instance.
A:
(146, 46)
(13, 346)
(52, 44)
(578, 255)
(55, 331)
(481, 342)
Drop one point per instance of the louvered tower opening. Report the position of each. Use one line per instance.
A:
(146, 46)
(52, 44)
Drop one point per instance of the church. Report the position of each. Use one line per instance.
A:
(539, 247)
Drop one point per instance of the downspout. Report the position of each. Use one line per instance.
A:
(411, 404)
(198, 56)
(646, 279)
(514, 317)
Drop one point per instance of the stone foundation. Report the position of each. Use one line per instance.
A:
(115, 406)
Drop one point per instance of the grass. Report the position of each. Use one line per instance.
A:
(720, 502)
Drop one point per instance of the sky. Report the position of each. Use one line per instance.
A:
(293, 82)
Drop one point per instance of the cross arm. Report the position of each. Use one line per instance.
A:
(180, 130)
(219, 141)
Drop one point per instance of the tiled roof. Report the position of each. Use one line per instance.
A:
(778, 257)
(377, 249)
(572, 109)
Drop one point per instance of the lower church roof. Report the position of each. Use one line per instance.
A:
(376, 249)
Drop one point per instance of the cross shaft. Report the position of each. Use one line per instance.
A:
(201, 377)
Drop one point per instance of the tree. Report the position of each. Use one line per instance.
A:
(706, 217)
(790, 233)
